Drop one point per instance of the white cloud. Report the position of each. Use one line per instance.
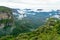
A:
(33, 4)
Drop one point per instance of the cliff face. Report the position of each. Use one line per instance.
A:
(4, 16)
(6, 20)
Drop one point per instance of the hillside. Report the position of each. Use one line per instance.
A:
(5, 9)
(32, 27)
(6, 20)
(20, 26)
(30, 19)
(49, 31)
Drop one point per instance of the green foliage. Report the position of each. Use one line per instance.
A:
(8, 11)
(9, 37)
(22, 26)
(7, 23)
(45, 32)
(6, 20)
(49, 31)
(5, 9)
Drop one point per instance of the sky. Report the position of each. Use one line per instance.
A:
(32, 4)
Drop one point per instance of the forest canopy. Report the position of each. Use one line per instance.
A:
(5, 9)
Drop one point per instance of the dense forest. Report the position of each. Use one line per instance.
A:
(6, 20)
(49, 31)
(5, 9)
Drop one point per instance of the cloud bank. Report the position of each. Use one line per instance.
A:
(32, 4)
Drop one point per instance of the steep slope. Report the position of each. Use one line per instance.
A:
(49, 31)
(29, 23)
(6, 20)
(5, 9)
